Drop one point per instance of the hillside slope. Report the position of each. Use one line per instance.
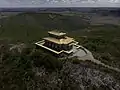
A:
(32, 26)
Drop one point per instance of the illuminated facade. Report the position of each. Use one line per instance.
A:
(57, 42)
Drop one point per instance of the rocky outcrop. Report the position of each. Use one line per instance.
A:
(18, 47)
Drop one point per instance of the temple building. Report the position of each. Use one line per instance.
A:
(57, 42)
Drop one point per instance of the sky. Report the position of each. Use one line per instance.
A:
(59, 3)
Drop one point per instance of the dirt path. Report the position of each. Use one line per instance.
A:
(89, 57)
(107, 66)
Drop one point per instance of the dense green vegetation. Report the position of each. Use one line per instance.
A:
(17, 69)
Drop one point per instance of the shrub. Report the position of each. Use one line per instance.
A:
(43, 59)
(76, 61)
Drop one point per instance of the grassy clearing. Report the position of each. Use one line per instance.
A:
(32, 26)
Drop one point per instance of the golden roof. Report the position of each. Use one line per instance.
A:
(66, 40)
(57, 33)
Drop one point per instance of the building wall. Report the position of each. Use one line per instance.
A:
(57, 47)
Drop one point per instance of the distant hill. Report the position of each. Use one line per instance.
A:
(32, 26)
(104, 10)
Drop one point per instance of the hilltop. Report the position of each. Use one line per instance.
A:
(24, 67)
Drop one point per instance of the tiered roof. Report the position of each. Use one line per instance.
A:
(62, 40)
(65, 40)
(57, 33)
